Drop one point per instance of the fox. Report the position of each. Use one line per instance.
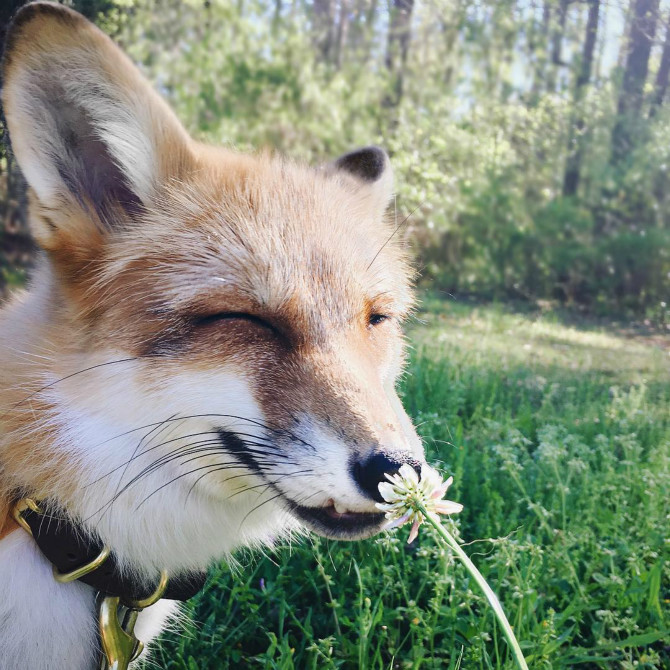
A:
(207, 354)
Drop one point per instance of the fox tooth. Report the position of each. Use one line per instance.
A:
(339, 509)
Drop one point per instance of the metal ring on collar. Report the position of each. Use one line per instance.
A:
(154, 597)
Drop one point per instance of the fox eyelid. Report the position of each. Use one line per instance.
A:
(233, 316)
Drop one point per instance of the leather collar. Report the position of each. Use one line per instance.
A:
(67, 545)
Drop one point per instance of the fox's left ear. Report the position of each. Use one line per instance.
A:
(372, 175)
(94, 141)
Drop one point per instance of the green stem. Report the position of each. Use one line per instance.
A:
(483, 585)
(331, 601)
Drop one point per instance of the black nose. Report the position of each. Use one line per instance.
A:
(370, 473)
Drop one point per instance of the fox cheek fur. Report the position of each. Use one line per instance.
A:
(207, 355)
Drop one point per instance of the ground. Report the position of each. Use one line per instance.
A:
(557, 433)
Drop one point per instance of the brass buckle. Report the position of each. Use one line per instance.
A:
(116, 620)
(20, 507)
(62, 577)
(77, 573)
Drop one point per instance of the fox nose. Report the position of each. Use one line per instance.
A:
(370, 473)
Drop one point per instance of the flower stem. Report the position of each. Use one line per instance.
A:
(483, 584)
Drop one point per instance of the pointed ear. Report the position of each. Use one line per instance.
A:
(372, 175)
(93, 139)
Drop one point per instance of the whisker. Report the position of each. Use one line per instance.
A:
(203, 448)
(177, 439)
(212, 446)
(397, 228)
(70, 376)
(158, 428)
(260, 424)
(236, 466)
(231, 465)
(143, 453)
(266, 484)
(257, 507)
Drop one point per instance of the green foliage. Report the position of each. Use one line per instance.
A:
(556, 252)
(235, 77)
(559, 440)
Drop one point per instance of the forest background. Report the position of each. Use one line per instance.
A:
(530, 138)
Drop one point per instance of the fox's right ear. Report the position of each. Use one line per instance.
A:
(370, 170)
(93, 139)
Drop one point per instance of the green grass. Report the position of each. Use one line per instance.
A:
(558, 438)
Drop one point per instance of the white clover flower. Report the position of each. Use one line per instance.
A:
(410, 498)
(405, 489)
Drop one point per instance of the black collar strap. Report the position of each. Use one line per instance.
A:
(68, 546)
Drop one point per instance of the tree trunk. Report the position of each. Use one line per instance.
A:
(342, 28)
(397, 48)
(276, 17)
(576, 143)
(371, 13)
(557, 39)
(644, 15)
(451, 26)
(662, 76)
(324, 20)
(540, 61)
(557, 45)
(361, 29)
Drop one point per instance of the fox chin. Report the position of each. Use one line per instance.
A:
(207, 354)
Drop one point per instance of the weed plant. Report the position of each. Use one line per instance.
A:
(559, 442)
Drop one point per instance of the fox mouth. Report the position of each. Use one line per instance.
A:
(326, 521)
(330, 523)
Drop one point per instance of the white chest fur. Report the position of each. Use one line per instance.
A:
(45, 625)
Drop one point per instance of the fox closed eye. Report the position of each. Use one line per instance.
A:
(373, 320)
(236, 316)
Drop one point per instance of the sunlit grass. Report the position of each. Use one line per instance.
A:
(559, 442)
(490, 334)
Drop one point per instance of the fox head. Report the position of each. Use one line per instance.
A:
(209, 350)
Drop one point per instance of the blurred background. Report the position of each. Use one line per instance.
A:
(530, 138)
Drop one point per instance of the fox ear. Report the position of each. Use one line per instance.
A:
(373, 177)
(93, 139)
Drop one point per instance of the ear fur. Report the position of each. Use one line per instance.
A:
(372, 175)
(93, 139)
